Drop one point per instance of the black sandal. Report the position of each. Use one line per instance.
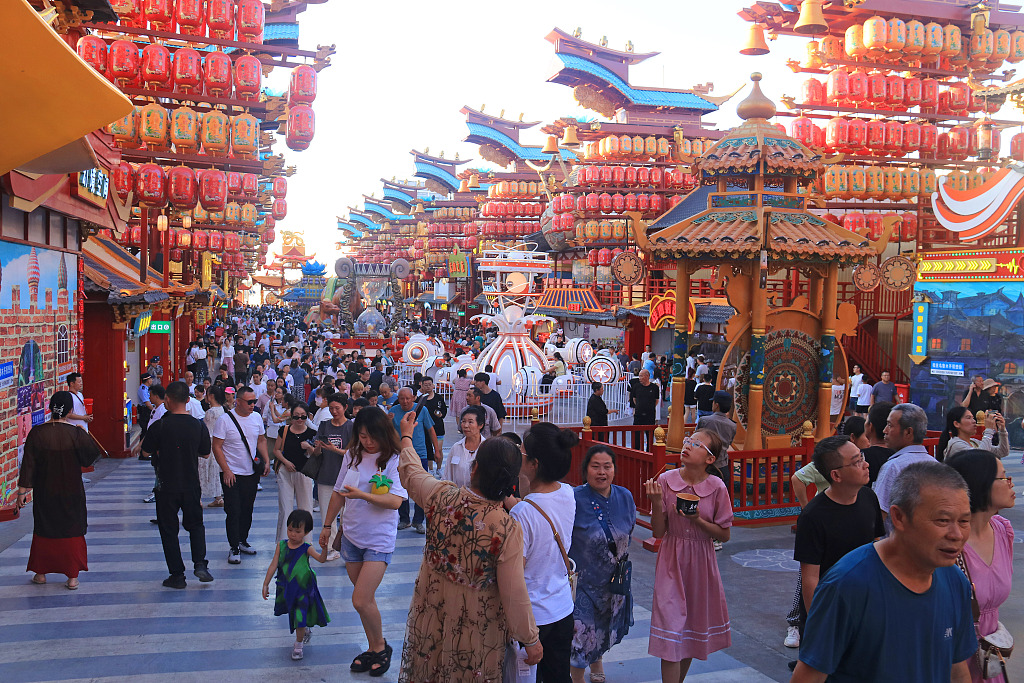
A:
(382, 658)
(363, 662)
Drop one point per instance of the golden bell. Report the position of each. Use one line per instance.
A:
(812, 20)
(464, 186)
(569, 138)
(551, 147)
(756, 44)
(474, 181)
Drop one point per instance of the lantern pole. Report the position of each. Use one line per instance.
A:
(166, 235)
(143, 245)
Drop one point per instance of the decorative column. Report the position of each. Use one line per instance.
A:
(755, 394)
(815, 285)
(679, 348)
(828, 348)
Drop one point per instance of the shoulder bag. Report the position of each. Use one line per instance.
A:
(312, 466)
(622, 576)
(995, 648)
(257, 459)
(570, 566)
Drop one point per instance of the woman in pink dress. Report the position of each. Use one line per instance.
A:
(689, 617)
(989, 550)
(459, 387)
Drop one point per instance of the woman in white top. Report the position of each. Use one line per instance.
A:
(459, 465)
(961, 427)
(275, 415)
(856, 379)
(209, 470)
(548, 452)
(202, 370)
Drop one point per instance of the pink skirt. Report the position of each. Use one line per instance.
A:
(66, 556)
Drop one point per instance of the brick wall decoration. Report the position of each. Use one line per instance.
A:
(38, 304)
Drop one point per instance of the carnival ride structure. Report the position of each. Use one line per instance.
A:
(350, 299)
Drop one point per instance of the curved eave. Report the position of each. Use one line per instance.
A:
(364, 220)
(382, 211)
(395, 195)
(425, 170)
(420, 156)
(482, 135)
(520, 125)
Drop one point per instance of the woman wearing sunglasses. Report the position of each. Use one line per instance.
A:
(988, 553)
(689, 617)
(290, 455)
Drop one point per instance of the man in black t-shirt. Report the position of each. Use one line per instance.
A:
(490, 397)
(704, 394)
(643, 397)
(877, 453)
(844, 517)
(175, 443)
(438, 409)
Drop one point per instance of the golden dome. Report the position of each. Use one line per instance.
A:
(756, 105)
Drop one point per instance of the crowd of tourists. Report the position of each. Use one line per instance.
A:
(523, 576)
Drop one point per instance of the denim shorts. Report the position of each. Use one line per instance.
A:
(351, 553)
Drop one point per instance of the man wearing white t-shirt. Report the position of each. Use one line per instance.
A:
(239, 475)
(78, 416)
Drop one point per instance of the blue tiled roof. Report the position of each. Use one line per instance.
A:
(692, 204)
(531, 153)
(287, 31)
(654, 98)
(364, 220)
(397, 195)
(425, 170)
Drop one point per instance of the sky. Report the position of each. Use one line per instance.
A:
(403, 69)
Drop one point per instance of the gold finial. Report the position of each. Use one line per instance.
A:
(756, 105)
(521, 115)
(502, 114)
(534, 415)
(808, 430)
(604, 41)
(578, 33)
(441, 156)
(586, 423)
(426, 150)
(456, 156)
(482, 107)
(659, 436)
(629, 46)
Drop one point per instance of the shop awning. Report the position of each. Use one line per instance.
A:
(53, 97)
(111, 268)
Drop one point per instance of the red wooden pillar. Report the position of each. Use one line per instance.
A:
(105, 383)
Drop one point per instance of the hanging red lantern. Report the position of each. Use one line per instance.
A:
(908, 227)
(248, 77)
(201, 240)
(813, 91)
(234, 183)
(216, 242)
(605, 175)
(912, 92)
(217, 73)
(592, 257)
(176, 255)
(893, 136)
(124, 180)
(875, 136)
(151, 186)
(929, 139)
(155, 67)
(279, 188)
(837, 134)
(1017, 147)
(802, 130)
(643, 176)
(876, 88)
(158, 13)
(911, 136)
(894, 90)
(250, 184)
(135, 236)
(958, 140)
(123, 62)
(302, 86)
(220, 18)
(187, 70)
(941, 146)
(93, 51)
(213, 189)
(250, 18)
(873, 222)
(190, 17)
(958, 96)
(183, 239)
(837, 87)
(300, 127)
(857, 87)
(856, 135)
(269, 236)
(280, 209)
(657, 203)
(618, 203)
(929, 93)
(182, 188)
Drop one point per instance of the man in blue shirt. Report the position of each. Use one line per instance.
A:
(899, 609)
(143, 406)
(905, 431)
(424, 430)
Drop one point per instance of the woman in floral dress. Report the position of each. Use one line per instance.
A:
(470, 598)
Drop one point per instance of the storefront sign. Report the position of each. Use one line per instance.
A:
(574, 307)
(160, 327)
(140, 325)
(663, 312)
(92, 186)
(458, 265)
(947, 368)
(6, 374)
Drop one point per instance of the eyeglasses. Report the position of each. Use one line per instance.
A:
(1007, 479)
(856, 461)
(694, 442)
(251, 401)
(298, 417)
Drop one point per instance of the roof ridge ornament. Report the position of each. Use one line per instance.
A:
(756, 105)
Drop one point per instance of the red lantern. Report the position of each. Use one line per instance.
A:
(857, 134)
(929, 93)
(657, 177)
(216, 242)
(908, 229)
(201, 240)
(857, 87)
(911, 92)
(813, 91)
(251, 16)
(630, 176)
(911, 136)
(190, 17)
(837, 134)
(188, 70)
(643, 202)
(894, 90)
(155, 67)
(606, 202)
(158, 13)
(958, 140)
(124, 180)
(929, 138)
(250, 184)
(618, 203)
(874, 225)
(220, 18)
(837, 88)
(217, 72)
(876, 88)
(958, 96)
(93, 51)
(280, 209)
(234, 183)
(279, 188)
(151, 186)
(875, 141)
(631, 202)
(183, 239)
(302, 87)
(893, 136)
(592, 257)
(604, 257)
(802, 130)
(248, 77)
(1017, 147)
(135, 236)
(854, 221)
(618, 176)
(269, 236)
(643, 176)
(213, 189)
(300, 127)
(942, 146)
(123, 62)
(657, 203)
(182, 188)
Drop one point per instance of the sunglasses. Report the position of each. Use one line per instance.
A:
(251, 401)
(298, 417)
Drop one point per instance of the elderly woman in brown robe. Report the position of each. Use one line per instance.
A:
(51, 469)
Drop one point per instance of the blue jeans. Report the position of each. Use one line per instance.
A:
(418, 514)
(353, 553)
(702, 413)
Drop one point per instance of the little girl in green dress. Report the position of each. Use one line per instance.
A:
(297, 594)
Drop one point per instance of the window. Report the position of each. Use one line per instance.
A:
(63, 346)
(965, 344)
(936, 345)
(1010, 368)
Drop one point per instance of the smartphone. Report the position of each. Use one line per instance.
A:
(419, 406)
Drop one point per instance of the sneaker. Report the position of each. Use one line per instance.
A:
(234, 557)
(297, 651)
(403, 525)
(420, 528)
(316, 507)
(246, 549)
(203, 574)
(717, 544)
(792, 637)
(333, 555)
(150, 498)
(259, 487)
(86, 480)
(175, 581)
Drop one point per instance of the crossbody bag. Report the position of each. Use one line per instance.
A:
(622, 576)
(570, 566)
(257, 460)
(995, 648)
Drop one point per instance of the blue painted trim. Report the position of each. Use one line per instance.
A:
(652, 98)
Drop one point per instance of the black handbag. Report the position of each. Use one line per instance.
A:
(622, 576)
(258, 464)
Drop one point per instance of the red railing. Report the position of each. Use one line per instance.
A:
(864, 350)
(761, 489)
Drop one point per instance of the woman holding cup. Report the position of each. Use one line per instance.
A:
(690, 509)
